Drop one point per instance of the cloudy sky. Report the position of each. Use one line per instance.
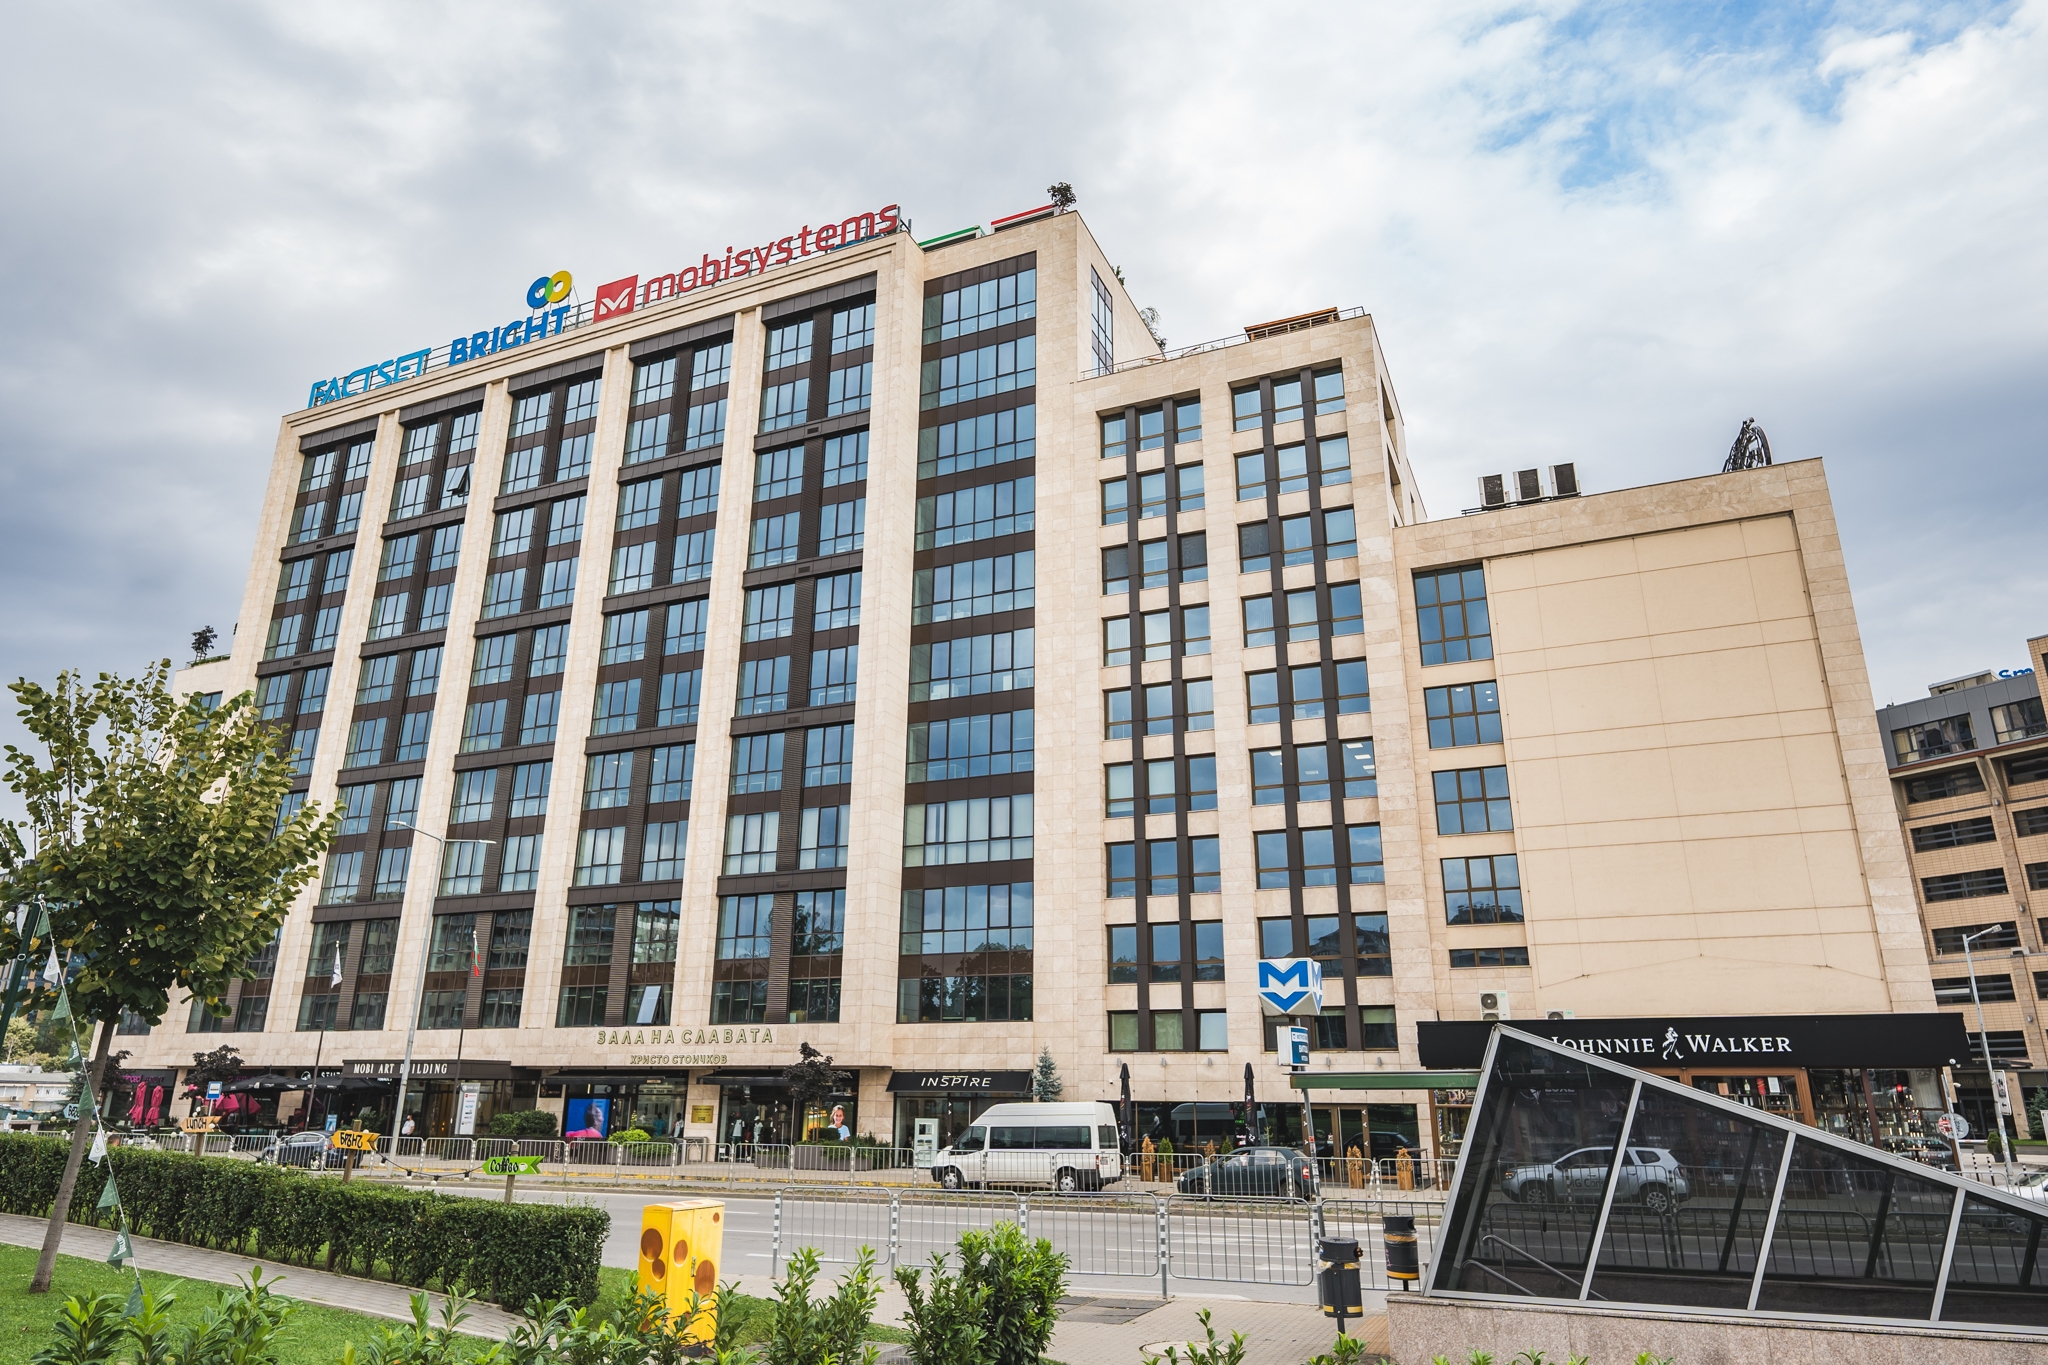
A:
(1602, 233)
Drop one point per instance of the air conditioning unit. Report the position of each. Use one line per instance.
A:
(1494, 1005)
(1528, 485)
(1493, 491)
(1564, 481)
(1561, 1014)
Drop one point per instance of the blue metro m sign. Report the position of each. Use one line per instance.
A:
(1291, 986)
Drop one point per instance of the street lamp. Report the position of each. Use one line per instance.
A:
(418, 995)
(1984, 1041)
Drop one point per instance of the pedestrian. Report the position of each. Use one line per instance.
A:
(406, 1129)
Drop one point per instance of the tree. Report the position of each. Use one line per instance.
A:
(811, 1080)
(1046, 1085)
(1062, 196)
(154, 843)
(222, 1064)
(202, 641)
(25, 1047)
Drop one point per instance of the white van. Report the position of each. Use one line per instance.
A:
(1067, 1146)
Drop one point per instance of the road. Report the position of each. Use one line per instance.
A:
(1112, 1243)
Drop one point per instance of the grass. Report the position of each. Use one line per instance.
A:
(313, 1336)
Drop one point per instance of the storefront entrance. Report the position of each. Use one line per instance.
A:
(949, 1100)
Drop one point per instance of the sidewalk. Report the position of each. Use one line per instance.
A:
(1092, 1331)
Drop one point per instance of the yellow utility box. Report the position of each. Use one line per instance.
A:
(680, 1244)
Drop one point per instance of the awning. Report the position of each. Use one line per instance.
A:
(960, 1082)
(1384, 1080)
(1678, 1042)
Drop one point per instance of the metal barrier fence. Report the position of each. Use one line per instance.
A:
(1135, 1236)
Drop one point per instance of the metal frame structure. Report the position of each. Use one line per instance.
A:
(1463, 1207)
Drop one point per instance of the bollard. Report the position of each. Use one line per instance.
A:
(1404, 1261)
(1337, 1286)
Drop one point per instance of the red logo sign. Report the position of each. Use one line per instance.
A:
(616, 299)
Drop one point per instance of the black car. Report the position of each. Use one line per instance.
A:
(309, 1150)
(1275, 1171)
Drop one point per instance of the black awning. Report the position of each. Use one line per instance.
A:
(1673, 1042)
(960, 1082)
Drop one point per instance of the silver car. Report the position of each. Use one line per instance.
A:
(1650, 1177)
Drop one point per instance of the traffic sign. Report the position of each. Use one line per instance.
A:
(213, 1090)
(1291, 985)
(1953, 1125)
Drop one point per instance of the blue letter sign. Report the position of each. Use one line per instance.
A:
(1291, 985)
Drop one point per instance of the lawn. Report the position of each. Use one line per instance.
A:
(313, 1336)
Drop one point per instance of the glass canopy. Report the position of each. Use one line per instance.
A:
(1585, 1180)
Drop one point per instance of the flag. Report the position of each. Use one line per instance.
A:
(123, 1249)
(53, 973)
(63, 1010)
(335, 980)
(476, 960)
(110, 1197)
(134, 1300)
(99, 1150)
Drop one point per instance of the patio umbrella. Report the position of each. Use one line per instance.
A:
(1129, 1115)
(348, 1083)
(156, 1105)
(141, 1102)
(1251, 1106)
(263, 1082)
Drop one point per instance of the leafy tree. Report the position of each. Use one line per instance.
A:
(222, 1064)
(154, 841)
(1046, 1085)
(1062, 195)
(811, 1079)
(202, 641)
(25, 1045)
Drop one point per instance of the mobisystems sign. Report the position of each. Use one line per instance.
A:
(547, 315)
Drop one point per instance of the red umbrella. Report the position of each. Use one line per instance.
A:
(135, 1109)
(156, 1106)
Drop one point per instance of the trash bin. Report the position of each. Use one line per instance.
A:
(1337, 1279)
(1404, 1262)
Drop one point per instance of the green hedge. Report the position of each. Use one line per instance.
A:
(506, 1253)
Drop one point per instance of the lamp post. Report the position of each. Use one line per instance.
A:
(1984, 1042)
(418, 996)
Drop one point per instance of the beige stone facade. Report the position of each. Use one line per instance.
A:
(1695, 789)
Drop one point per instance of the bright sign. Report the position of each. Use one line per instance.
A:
(1291, 985)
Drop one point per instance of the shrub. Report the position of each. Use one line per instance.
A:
(632, 1135)
(1001, 1308)
(525, 1123)
(506, 1253)
(827, 1333)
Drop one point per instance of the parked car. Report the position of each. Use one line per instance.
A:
(1253, 1171)
(305, 1150)
(2031, 1185)
(1650, 1176)
(1067, 1146)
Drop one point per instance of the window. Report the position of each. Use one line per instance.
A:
(387, 616)
(1123, 953)
(365, 743)
(1991, 988)
(853, 328)
(789, 345)
(542, 714)
(277, 691)
(519, 870)
(462, 867)
(669, 772)
(1956, 886)
(694, 550)
(608, 781)
(625, 638)
(1933, 739)
(1166, 942)
(655, 924)
(981, 513)
(493, 663)
(699, 492)
(711, 366)
(679, 696)
(706, 425)
(1116, 502)
(617, 709)
(1360, 776)
(503, 593)
(1368, 864)
(745, 927)
(1318, 858)
(824, 837)
(1472, 800)
(1286, 401)
(1489, 957)
(2020, 772)
(977, 307)
(311, 518)
(1273, 866)
(600, 856)
(582, 1006)
(355, 808)
(785, 405)
(836, 602)
(977, 442)
(756, 763)
(483, 726)
(774, 541)
(530, 783)
(558, 583)
(949, 921)
(401, 810)
(426, 673)
(835, 674)
(647, 438)
(1114, 444)
(305, 743)
(1451, 615)
(328, 621)
(1340, 534)
(1943, 785)
(970, 746)
(828, 755)
(342, 880)
(974, 587)
(770, 613)
(842, 526)
(764, 686)
(1123, 1031)
(284, 638)
(739, 1002)
(632, 567)
(474, 793)
(1119, 792)
(1482, 890)
(500, 1007)
(973, 830)
(750, 842)
(971, 665)
(565, 521)
(1258, 622)
(294, 580)
(2027, 823)
(685, 630)
(981, 373)
(392, 864)
(1102, 331)
(522, 469)
(2014, 721)
(1954, 834)
(2000, 938)
(851, 389)
(339, 565)
(661, 855)
(846, 459)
